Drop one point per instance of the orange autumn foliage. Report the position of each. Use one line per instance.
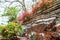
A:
(41, 3)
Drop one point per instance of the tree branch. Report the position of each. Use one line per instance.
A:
(50, 10)
(23, 4)
(20, 2)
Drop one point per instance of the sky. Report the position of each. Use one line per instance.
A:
(3, 5)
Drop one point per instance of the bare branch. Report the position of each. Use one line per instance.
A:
(24, 7)
(23, 4)
(20, 2)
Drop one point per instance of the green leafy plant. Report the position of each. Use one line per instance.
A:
(10, 30)
(11, 12)
(33, 37)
